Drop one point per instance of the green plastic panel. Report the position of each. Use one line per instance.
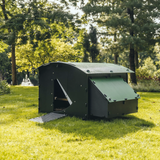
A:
(95, 68)
(114, 89)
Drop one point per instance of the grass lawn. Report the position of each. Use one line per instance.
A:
(135, 136)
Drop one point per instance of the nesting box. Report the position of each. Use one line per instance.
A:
(86, 90)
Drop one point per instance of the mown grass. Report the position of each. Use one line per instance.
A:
(135, 136)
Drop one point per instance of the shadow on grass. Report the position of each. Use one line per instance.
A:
(103, 129)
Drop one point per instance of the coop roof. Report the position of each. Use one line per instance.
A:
(94, 68)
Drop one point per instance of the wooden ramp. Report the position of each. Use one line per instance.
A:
(48, 117)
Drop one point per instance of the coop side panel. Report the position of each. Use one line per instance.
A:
(77, 90)
(75, 84)
(45, 89)
(98, 104)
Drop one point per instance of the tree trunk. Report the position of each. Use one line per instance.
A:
(85, 57)
(136, 59)
(93, 57)
(131, 55)
(28, 73)
(1, 76)
(14, 79)
(116, 58)
(115, 54)
(132, 65)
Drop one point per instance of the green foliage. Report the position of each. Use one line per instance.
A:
(157, 51)
(157, 73)
(31, 24)
(109, 50)
(4, 87)
(46, 34)
(133, 23)
(148, 77)
(116, 18)
(45, 52)
(3, 46)
(5, 62)
(147, 70)
(135, 136)
(94, 51)
(147, 86)
(90, 46)
(158, 60)
(16, 16)
(86, 47)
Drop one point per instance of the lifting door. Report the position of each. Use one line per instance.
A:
(61, 98)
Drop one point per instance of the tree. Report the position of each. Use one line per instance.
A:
(55, 43)
(5, 64)
(11, 37)
(57, 50)
(90, 45)
(23, 21)
(86, 46)
(112, 50)
(94, 52)
(134, 20)
(15, 15)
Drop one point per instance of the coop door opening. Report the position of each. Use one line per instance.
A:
(61, 98)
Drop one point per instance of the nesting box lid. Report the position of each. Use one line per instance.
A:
(114, 89)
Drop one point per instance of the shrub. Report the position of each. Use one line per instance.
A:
(142, 74)
(147, 72)
(157, 75)
(148, 77)
(4, 87)
(147, 86)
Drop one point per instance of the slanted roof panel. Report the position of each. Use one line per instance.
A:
(114, 89)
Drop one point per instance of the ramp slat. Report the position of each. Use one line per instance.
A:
(48, 117)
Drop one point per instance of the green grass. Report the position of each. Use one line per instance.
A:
(135, 136)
